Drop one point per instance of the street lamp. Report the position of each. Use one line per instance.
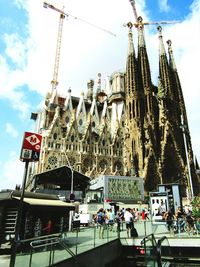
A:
(72, 177)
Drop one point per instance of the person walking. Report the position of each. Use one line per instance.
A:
(101, 222)
(180, 219)
(143, 215)
(128, 217)
(190, 223)
(169, 218)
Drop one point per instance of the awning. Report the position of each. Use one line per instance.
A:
(63, 177)
(45, 202)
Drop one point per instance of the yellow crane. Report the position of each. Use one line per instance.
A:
(139, 21)
(63, 15)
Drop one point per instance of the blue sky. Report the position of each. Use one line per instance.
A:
(27, 51)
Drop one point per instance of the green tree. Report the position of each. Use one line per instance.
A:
(196, 207)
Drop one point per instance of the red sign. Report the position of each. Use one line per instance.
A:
(31, 147)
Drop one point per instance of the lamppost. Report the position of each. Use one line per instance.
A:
(72, 176)
(72, 196)
(183, 128)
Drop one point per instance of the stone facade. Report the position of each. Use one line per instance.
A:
(129, 127)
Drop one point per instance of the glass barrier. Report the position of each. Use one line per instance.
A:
(46, 250)
(164, 228)
(81, 239)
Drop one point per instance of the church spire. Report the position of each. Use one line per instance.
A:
(131, 50)
(161, 44)
(141, 40)
(134, 111)
(171, 57)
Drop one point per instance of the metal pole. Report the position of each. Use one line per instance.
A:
(187, 158)
(19, 219)
(72, 180)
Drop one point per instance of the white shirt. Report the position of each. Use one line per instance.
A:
(128, 216)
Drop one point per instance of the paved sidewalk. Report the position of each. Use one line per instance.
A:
(88, 238)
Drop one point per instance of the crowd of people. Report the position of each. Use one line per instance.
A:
(180, 220)
(113, 220)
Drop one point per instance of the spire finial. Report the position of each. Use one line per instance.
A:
(159, 28)
(141, 41)
(139, 21)
(99, 81)
(161, 45)
(171, 57)
(130, 38)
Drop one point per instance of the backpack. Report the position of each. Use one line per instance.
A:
(100, 217)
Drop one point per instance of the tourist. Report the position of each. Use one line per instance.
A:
(190, 223)
(146, 211)
(48, 227)
(137, 215)
(143, 215)
(179, 214)
(169, 218)
(111, 213)
(101, 222)
(128, 217)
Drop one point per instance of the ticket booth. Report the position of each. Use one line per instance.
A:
(38, 210)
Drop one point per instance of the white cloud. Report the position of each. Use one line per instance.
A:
(87, 51)
(163, 5)
(11, 171)
(11, 130)
(15, 49)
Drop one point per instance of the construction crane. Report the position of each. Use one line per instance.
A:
(134, 9)
(139, 21)
(63, 15)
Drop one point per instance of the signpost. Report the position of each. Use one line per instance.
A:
(30, 152)
(31, 147)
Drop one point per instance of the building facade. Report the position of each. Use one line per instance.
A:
(130, 127)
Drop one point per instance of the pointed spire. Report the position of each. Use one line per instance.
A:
(90, 86)
(141, 40)
(130, 38)
(99, 83)
(161, 44)
(81, 105)
(171, 57)
(53, 102)
(68, 97)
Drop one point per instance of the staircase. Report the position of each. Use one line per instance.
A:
(10, 221)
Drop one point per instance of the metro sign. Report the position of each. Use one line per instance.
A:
(31, 147)
(32, 142)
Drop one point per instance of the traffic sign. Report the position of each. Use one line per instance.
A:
(31, 147)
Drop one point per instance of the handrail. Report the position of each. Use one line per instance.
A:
(74, 256)
(156, 253)
(50, 242)
(159, 251)
(45, 244)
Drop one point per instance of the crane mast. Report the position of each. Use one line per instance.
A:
(54, 81)
(139, 21)
(134, 10)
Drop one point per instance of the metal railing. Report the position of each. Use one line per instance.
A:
(46, 250)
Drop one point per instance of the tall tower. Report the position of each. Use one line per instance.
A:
(134, 101)
(128, 127)
(150, 111)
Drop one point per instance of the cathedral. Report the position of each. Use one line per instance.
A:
(128, 127)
